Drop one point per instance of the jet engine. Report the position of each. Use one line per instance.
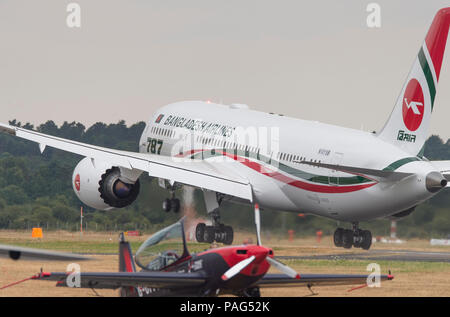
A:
(102, 186)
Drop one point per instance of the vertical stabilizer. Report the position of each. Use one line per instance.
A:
(126, 264)
(408, 125)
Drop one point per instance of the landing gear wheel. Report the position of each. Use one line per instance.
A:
(209, 235)
(167, 205)
(175, 205)
(229, 235)
(358, 238)
(347, 239)
(366, 239)
(338, 235)
(200, 232)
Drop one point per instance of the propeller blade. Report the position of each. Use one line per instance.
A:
(283, 268)
(237, 268)
(278, 265)
(258, 224)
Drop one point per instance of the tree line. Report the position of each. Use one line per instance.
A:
(36, 190)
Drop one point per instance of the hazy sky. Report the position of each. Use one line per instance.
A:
(315, 60)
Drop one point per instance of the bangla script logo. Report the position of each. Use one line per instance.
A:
(77, 182)
(413, 105)
(403, 136)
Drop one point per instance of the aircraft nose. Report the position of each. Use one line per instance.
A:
(434, 182)
(260, 253)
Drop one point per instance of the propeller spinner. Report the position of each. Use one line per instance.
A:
(262, 254)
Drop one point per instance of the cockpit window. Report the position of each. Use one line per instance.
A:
(161, 249)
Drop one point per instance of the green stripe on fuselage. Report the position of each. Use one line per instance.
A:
(320, 179)
(397, 164)
(314, 178)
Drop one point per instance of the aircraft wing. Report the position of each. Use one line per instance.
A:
(114, 280)
(196, 173)
(282, 280)
(377, 175)
(16, 253)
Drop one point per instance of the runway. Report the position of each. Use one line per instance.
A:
(384, 255)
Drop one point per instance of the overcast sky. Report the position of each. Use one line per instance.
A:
(315, 60)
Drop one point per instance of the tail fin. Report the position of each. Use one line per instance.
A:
(126, 262)
(409, 122)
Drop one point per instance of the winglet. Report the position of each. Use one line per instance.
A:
(7, 129)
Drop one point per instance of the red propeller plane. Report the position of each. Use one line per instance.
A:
(237, 270)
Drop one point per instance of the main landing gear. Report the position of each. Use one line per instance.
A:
(217, 232)
(353, 237)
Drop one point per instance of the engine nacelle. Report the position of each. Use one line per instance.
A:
(102, 186)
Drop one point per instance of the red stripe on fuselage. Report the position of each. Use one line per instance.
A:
(303, 185)
(331, 189)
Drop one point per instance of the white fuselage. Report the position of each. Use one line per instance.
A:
(267, 150)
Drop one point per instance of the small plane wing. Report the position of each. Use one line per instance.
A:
(378, 175)
(282, 280)
(196, 173)
(16, 253)
(114, 280)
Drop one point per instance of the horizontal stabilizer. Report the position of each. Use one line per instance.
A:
(378, 175)
(444, 168)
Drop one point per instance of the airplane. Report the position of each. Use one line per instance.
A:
(233, 153)
(230, 270)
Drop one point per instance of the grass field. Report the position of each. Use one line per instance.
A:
(411, 278)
